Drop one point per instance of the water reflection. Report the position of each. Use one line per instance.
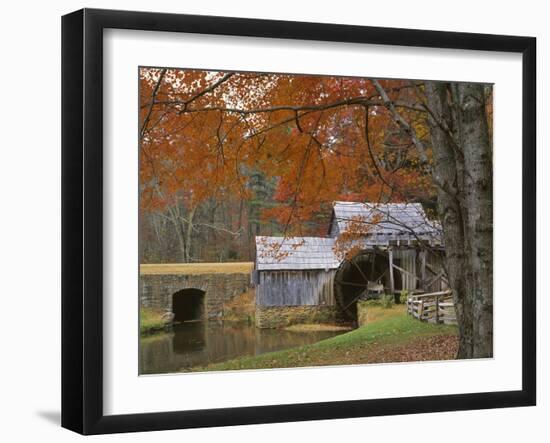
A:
(199, 343)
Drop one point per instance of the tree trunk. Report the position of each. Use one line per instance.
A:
(178, 226)
(462, 157)
(188, 234)
(450, 212)
(473, 135)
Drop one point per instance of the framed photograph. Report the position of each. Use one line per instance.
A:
(269, 221)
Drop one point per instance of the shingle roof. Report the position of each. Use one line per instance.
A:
(405, 221)
(386, 222)
(280, 253)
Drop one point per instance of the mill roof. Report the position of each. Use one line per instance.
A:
(387, 221)
(379, 224)
(285, 253)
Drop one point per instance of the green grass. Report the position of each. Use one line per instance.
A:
(150, 320)
(391, 335)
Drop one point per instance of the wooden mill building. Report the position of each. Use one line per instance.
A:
(370, 249)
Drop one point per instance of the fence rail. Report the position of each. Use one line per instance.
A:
(436, 307)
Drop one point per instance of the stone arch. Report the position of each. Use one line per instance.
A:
(189, 304)
(193, 282)
(157, 290)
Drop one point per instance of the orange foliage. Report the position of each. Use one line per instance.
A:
(201, 130)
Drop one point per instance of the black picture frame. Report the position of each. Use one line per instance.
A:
(82, 218)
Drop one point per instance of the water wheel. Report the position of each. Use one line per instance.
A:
(364, 276)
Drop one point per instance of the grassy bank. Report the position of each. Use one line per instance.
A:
(317, 327)
(390, 336)
(151, 320)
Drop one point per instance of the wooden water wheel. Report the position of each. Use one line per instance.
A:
(365, 276)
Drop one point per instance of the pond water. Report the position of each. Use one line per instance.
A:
(200, 343)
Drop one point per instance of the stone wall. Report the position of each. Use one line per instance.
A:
(156, 290)
(282, 316)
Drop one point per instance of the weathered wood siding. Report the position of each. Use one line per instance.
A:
(407, 261)
(434, 265)
(295, 288)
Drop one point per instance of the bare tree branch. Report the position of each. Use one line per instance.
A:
(421, 149)
(151, 104)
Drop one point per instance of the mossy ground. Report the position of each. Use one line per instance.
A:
(150, 320)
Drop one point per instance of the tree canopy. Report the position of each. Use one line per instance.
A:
(292, 144)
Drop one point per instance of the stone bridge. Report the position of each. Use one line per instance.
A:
(199, 291)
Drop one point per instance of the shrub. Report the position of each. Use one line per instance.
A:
(403, 296)
(387, 301)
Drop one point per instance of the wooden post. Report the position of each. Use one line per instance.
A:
(392, 284)
(423, 270)
(437, 309)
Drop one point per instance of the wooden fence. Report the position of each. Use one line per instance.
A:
(436, 307)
